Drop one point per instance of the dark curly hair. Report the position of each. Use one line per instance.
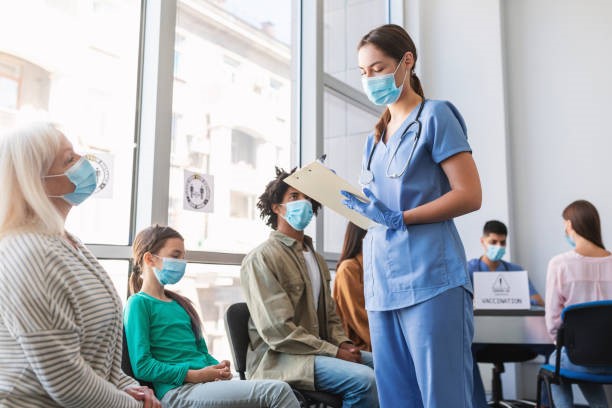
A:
(275, 190)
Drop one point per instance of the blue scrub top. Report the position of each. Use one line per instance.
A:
(477, 265)
(406, 267)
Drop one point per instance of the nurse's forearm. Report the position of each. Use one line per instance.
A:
(450, 205)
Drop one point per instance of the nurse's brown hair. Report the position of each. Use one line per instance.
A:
(395, 42)
(585, 221)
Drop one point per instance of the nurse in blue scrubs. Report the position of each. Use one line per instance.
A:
(418, 175)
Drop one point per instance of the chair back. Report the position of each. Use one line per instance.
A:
(586, 333)
(237, 326)
(126, 364)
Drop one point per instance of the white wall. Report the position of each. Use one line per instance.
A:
(560, 99)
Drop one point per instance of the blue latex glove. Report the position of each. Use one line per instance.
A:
(375, 210)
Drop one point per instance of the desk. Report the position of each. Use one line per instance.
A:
(496, 329)
(511, 327)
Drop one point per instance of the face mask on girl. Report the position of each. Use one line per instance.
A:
(299, 213)
(570, 241)
(381, 90)
(172, 270)
(495, 252)
(83, 176)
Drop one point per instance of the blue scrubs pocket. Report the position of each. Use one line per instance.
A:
(405, 269)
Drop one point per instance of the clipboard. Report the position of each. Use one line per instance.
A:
(320, 183)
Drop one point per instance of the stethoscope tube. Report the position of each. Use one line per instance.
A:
(369, 176)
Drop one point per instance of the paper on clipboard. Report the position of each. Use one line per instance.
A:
(320, 183)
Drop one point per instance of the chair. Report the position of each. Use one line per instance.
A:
(237, 326)
(126, 364)
(586, 334)
(498, 354)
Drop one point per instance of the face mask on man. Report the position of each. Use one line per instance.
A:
(495, 252)
(172, 270)
(299, 213)
(83, 176)
(381, 90)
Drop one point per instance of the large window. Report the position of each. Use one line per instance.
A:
(76, 63)
(346, 129)
(348, 116)
(232, 93)
(211, 87)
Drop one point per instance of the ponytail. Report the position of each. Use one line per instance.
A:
(381, 125)
(415, 84)
(135, 283)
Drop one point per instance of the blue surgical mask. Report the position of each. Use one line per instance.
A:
(172, 270)
(299, 213)
(495, 252)
(570, 241)
(83, 176)
(381, 90)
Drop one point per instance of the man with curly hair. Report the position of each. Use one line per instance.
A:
(296, 335)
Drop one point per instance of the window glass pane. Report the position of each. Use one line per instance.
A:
(345, 22)
(231, 115)
(212, 289)
(75, 62)
(118, 272)
(346, 130)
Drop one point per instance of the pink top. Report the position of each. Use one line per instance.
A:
(573, 278)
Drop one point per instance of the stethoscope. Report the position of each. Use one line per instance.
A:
(480, 263)
(367, 176)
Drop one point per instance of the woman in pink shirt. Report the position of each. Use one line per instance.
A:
(581, 275)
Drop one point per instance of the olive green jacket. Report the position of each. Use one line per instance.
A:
(286, 330)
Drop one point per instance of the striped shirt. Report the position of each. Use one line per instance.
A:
(60, 327)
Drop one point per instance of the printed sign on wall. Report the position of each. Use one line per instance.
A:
(198, 192)
(102, 162)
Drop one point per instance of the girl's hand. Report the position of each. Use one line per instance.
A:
(216, 372)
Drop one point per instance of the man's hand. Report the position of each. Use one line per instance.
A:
(144, 394)
(375, 210)
(347, 351)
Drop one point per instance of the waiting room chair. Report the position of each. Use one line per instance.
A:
(237, 326)
(126, 364)
(498, 354)
(586, 334)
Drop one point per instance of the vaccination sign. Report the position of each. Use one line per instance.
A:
(501, 290)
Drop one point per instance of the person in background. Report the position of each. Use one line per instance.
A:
(419, 175)
(583, 274)
(164, 336)
(60, 315)
(296, 335)
(493, 241)
(348, 289)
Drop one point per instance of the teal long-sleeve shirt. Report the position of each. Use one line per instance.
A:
(161, 344)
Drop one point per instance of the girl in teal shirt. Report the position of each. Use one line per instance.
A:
(164, 336)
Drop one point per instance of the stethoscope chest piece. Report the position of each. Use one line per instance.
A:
(366, 177)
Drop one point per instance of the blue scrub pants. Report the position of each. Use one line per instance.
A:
(423, 352)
